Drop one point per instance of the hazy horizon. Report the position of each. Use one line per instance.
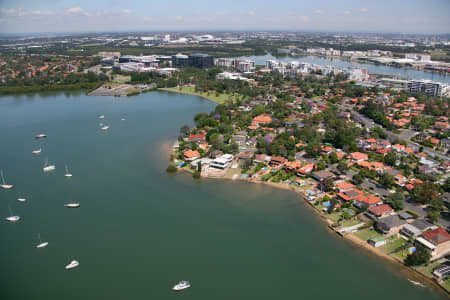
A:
(81, 16)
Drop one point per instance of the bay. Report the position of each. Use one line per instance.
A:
(140, 230)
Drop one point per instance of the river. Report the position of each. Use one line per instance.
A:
(405, 73)
(139, 230)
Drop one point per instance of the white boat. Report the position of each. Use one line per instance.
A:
(20, 199)
(106, 127)
(68, 175)
(47, 167)
(101, 117)
(38, 151)
(72, 205)
(41, 244)
(72, 264)
(12, 218)
(4, 185)
(40, 136)
(123, 119)
(181, 285)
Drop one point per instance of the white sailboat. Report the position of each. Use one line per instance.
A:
(67, 175)
(37, 151)
(181, 285)
(72, 205)
(106, 127)
(4, 185)
(41, 244)
(47, 167)
(123, 119)
(40, 136)
(101, 117)
(12, 218)
(72, 264)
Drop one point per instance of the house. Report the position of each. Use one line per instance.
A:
(400, 179)
(306, 169)
(261, 158)
(379, 211)
(292, 166)
(358, 156)
(222, 162)
(344, 186)
(323, 175)
(442, 272)
(363, 201)
(416, 228)
(190, 155)
(215, 154)
(245, 157)
(350, 195)
(437, 241)
(390, 225)
(198, 138)
(277, 161)
(262, 119)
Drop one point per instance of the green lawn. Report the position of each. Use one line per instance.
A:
(222, 98)
(393, 244)
(368, 233)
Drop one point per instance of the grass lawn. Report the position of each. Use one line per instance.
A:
(446, 284)
(428, 270)
(231, 172)
(351, 222)
(393, 244)
(368, 233)
(222, 98)
(400, 255)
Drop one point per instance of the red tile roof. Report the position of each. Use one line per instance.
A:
(437, 236)
(380, 210)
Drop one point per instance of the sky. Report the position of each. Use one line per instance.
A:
(399, 16)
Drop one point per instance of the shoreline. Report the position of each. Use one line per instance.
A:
(351, 238)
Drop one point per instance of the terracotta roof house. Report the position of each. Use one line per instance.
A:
(261, 158)
(390, 225)
(366, 201)
(350, 195)
(190, 155)
(380, 211)
(262, 119)
(358, 156)
(344, 186)
(292, 165)
(197, 138)
(437, 241)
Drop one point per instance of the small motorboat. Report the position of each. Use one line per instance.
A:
(47, 167)
(72, 205)
(72, 264)
(21, 199)
(106, 127)
(67, 175)
(181, 285)
(41, 244)
(101, 117)
(38, 151)
(13, 218)
(4, 185)
(123, 119)
(40, 136)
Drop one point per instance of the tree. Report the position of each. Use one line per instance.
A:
(342, 166)
(328, 184)
(171, 169)
(184, 130)
(424, 192)
(358, 178)
(313, 147)
(421, 256)
(396, 200)
(333, 157)
(387, 180)
(390, 158)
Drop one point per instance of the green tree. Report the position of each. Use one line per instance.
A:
(390, 158)
(328, 184)
(342, 166)
(358, 178)
(396, 200)
(421, 256)
(333, 157)
(387, 180)
(424, 192)
(171, 169)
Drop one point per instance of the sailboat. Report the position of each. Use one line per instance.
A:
(40, 136)
(123, 119)
(72, 264)
(4, 185)
(48, 168)
(41, 244)
(72, 205)
(106, 127)
(37, 151)
(101, 117)
(68, 175)
(12, 218)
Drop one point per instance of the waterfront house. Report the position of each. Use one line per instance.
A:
(261, 158)
(323, 175)
(379, 211)
(277, 161)
(306, 169)
(344, 186)
(377, 242)
(364, 201)
(437, 241)
(417, 227)
(190, 155)
(223, 162)
(350, 195)
(198, 138)
(390, 225)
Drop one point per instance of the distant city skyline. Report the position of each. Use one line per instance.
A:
(414, 16)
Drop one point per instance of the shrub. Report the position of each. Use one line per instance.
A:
(171, 169)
